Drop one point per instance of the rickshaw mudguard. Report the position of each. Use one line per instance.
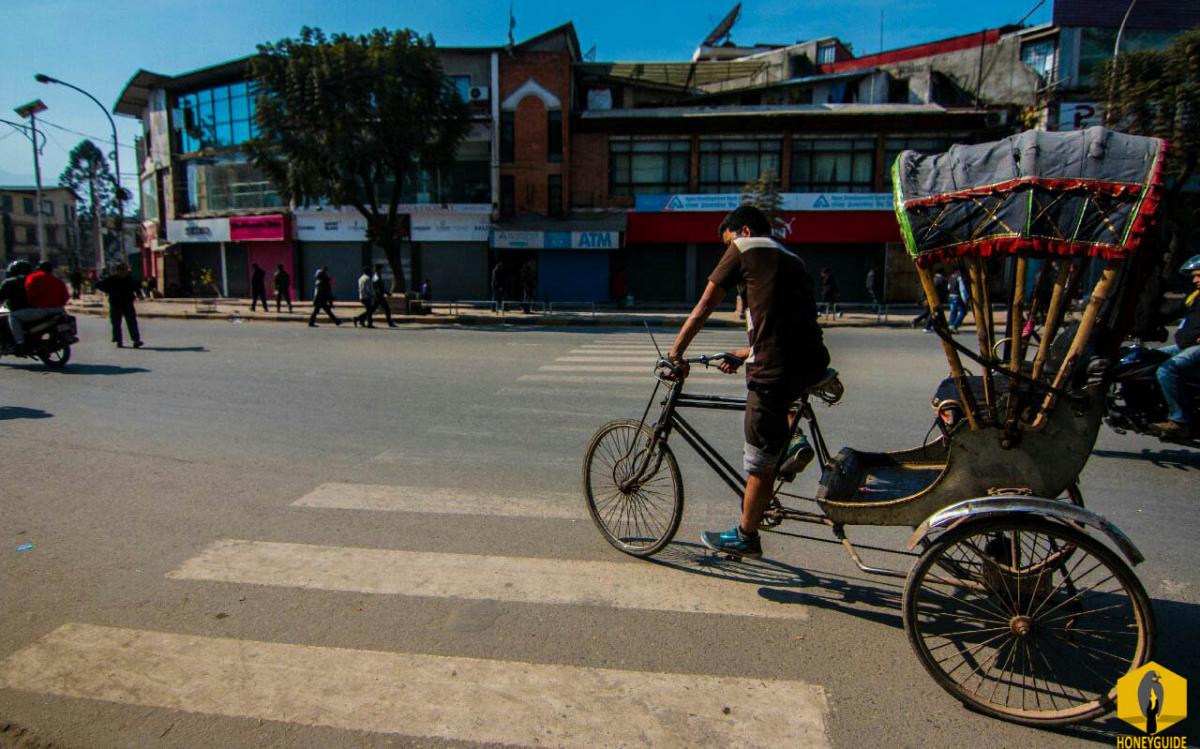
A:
(1055, 509)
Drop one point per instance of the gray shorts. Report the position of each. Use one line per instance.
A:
(766, 428)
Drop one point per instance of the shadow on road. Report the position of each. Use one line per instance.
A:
(81, 369)
(194, 349)
(1180, 459)
(788, 585)
(20, 412)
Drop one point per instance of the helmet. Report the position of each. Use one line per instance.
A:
(19, 268)
(1192, 265)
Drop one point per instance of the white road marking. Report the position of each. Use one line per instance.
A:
(621, 585)
(444, 501)
(468, 699)
(645, 379)
(615, 359)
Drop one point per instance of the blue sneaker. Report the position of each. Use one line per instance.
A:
(732, 542)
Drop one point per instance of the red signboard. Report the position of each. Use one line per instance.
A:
(803, 227)
(257, 228)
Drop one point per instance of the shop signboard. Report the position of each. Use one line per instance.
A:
(257, 228)
(556, 240)
(424, 226)
(1078, 115)
(790, 201)
(198, 230)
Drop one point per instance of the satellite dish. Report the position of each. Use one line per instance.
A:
(721, 32)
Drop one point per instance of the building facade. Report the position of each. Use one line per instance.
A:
(19, 220)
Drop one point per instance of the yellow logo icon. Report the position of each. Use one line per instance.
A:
(1152, 698)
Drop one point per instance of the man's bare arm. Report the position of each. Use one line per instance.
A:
(709, 300)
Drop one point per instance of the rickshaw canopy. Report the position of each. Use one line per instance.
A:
(1084, 193)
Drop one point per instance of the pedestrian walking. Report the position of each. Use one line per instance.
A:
(926, 316)
(829, 292)
(870, 284)
(323, 297)
(426, 291)
(258, 288)
(381, 293)
(528, 285)
(283, 288)
(366, 297)
(498, 286)
(121, 289)
(958, 297)
(76, 279)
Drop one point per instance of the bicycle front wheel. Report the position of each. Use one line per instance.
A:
(635, 497)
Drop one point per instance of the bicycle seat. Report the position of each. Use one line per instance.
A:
(829, 388)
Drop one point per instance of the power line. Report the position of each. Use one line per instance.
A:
(86, 135)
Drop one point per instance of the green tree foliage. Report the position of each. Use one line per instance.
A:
(1157, 93)
(349, 119)
(763, 194)
(95, 185)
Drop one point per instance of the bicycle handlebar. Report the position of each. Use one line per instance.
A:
(708, 360)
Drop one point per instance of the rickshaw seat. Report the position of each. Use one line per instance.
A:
(826, 379)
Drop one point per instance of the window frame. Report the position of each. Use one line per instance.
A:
(508, 137)
(622, 173)
(723, 147)
(554, 203)
(805, 150)
(554, 136)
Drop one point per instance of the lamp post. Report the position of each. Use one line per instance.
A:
(41, 78)
(30, 112)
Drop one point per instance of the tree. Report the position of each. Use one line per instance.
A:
(1157, 93)
(87, 173)
(763, 194)
(352, 120)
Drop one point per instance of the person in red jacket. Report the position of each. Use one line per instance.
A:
(44, 295)
(44, 290)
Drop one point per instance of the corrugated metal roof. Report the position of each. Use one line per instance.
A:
(677, 74)
(765, 110)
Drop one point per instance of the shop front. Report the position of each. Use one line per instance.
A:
(673, 242)
(570, 266)
(445, 244)
(225, 249)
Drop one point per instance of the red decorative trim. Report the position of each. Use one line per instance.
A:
(944, 46)
(1031, 247)
(1115, 189)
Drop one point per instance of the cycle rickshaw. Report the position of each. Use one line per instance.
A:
(1017, 603)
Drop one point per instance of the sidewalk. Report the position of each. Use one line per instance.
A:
(234, 310)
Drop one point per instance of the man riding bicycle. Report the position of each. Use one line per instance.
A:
(786, 355)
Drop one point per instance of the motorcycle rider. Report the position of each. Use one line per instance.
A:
(13, 299)
(1184, 365)
(45, 292)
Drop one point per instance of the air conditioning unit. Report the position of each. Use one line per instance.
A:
(478, 93)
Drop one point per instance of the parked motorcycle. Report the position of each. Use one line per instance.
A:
(48, 338)
(1135, 400)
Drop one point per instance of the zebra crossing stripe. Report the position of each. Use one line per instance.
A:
(439, 500)
(621, 585)
(426, 696)
(615, 359)
(618, 379)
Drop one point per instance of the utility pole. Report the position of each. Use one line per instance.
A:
(30, 111)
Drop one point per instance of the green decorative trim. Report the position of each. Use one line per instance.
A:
(1079, 221)
(906, 232)
(1137, 207)
(1029, 215)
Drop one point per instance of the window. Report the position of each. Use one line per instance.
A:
(554, 132)
(893, 146)
(826, 53)
(6, 203)
(727, 165)
(30, 235)
(508, 137)
(1039, 55)
(833, 165)
(461, 85)
(554, 194)
(648, 167)
(217, 117)
(508, 196)
(51, 235)
(150, 197)
(227, 183)
(27, 204)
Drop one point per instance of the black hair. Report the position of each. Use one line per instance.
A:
(46, 266)
(746, 216)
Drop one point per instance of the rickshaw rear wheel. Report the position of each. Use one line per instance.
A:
(1027, 620)
(639, 517)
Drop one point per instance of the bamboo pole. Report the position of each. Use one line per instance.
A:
(1100, 295)
(1016, 343)
(956, 368)
(1054, 316)
(983, 331)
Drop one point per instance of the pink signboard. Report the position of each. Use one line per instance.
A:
(257, 228)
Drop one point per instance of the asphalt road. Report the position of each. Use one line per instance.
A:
(253, 535)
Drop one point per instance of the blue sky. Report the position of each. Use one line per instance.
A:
(99, 45)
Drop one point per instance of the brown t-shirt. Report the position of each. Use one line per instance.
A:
(786, 346)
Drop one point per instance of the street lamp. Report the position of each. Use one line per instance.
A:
(41, 78)
(30, 112)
